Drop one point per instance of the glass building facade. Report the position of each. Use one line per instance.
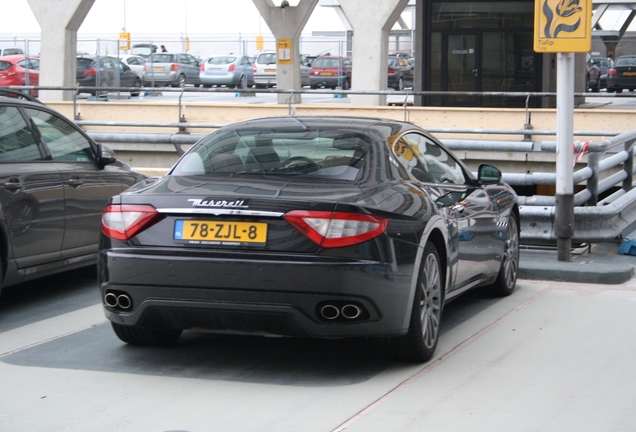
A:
(477, 47)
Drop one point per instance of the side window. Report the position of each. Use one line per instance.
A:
(427, 161)
(17, 143)
(408, 155)
(65, 143)
(107, 63)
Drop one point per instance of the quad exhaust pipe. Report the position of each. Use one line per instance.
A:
(118, 300)
(347, 311)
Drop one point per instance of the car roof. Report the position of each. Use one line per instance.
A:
(16, 97)
(15, 57)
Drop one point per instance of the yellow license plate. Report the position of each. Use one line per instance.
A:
(630, 73)
(157, 68)
(220, 233)
(326, 73)
(270, 70)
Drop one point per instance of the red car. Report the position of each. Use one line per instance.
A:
(16, 69)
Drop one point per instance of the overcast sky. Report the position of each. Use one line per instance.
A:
(205, 17)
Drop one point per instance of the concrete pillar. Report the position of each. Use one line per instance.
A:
(287, 22)
(59, 21)
(372, 21)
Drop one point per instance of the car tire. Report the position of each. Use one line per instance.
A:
(400, 84)
(420, 341)
(506, 280)
(597, 87)
(135, 335)
(346, 85)
(619, 90)
(239, 84)
(181, 81)
(137, 83)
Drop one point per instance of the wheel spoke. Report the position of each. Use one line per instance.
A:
(430, 303)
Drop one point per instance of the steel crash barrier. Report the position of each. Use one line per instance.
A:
(605, 204)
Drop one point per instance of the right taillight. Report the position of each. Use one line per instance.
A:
(124, 221)
(336, 229)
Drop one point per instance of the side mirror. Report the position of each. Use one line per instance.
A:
(488, 174)
(105, 155)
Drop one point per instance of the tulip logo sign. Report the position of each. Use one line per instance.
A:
(563, 25)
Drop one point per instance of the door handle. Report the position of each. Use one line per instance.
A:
(13, 185)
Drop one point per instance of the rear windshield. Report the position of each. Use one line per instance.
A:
(221, 60)
(4, 65)
(628, 61)
(327, 154)
(267, 58)
(84, 63)
(326, 63)
(163, 58)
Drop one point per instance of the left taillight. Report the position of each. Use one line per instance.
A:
(123, 221)
(336, 229)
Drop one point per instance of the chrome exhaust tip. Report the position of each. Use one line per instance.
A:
(110, 300)
(350, 311)
(329, 312)
(124, 301)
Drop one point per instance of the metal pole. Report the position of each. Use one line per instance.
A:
(564, 199)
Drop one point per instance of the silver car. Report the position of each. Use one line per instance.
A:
(227, 70)
(175, 70)
(265, 70)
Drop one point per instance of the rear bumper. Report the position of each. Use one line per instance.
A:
(283, 297)
(621, 83)
(327, 81)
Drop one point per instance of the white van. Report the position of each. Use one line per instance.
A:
(10, 51)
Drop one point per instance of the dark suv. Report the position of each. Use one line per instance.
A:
(56, 183)
(105, 71)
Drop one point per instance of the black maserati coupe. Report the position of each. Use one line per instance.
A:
(307, 226)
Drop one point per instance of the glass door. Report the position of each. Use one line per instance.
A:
(455, 67)
(463, 71)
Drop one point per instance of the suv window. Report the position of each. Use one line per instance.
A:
(64, 142)
(17, 143)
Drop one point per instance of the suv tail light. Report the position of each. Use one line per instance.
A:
(90, 72)
(336, 229)
(174, 67)
(123, 222)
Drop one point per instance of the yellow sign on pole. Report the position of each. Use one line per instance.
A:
(284, 51)
(124, 41)
(260, 44)
(562, 26)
